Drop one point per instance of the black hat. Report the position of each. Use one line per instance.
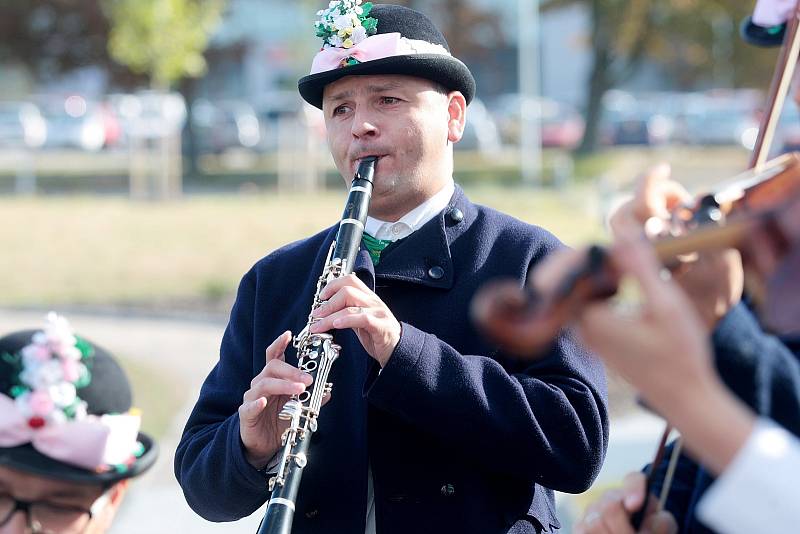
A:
(407, 43)
(767, 25)
(102, 389)
(762, 36)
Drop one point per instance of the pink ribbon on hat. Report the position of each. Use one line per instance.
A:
(374, 47)
(90, 443)
(768, 13)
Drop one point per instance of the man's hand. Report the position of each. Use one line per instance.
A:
(611, 514)
(715, 279)
(351, 304)
(259, 426)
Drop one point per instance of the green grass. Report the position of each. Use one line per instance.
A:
(108, 250)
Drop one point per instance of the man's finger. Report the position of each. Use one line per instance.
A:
(276, 348)
(649, 200)
(281, 369)
(633, 486)
(347, 296)
(660, 523)
(250, 410)
(270, 387)
(338, 283)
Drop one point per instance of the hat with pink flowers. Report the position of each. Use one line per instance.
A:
(65, 408)
(364, 39)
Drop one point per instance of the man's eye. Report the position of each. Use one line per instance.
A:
(340, 110)
(390, 100)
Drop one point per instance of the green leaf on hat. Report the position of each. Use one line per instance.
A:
(86, 349)
(16, 391)
(13, 359)
(367, 7)
(371, 25)
(85, 379)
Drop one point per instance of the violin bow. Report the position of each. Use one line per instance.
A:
(779, 88)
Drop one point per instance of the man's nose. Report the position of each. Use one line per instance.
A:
(364, 124)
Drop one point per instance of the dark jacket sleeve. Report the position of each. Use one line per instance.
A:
(547, 423)
(760, 370)
(758, 367)
(210, 450)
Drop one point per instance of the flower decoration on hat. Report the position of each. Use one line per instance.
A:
(345, 24)
(53, 367)
(45, 410)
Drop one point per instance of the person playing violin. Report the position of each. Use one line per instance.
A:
(663, 350)
(757, 367)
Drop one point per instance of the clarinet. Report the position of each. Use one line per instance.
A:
(316, 354)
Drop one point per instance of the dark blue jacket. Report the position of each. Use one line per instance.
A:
(460, 437)
(761, 371)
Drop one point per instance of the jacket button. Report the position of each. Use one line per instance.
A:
(448, 490)
(436, 272)
(456, 215)
(311, 514)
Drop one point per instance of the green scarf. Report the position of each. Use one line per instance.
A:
(374, 246)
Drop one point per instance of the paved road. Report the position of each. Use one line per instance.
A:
(188, 349)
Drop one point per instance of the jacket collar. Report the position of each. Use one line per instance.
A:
(424, 256)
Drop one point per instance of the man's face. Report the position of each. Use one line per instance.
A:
(405, 121)
(58, 503)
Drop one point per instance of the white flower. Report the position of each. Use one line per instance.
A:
(34, 354)
(342, 22)
(359, 34)
(336, 41)
(80, 411)
(56, 417)
(359, 10)
(43, 375)
(63, 394)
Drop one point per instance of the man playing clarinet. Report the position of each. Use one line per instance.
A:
(429, 427)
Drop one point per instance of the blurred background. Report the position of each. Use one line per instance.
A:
(152, 150)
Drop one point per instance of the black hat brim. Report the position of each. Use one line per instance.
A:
(761, 36)
(445, 70)
(26, 458)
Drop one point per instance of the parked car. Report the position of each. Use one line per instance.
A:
(637, 127)
(220, 126)
(721, 125)
(21, 125)
(561, 125)
(73, 122)
(480, 131)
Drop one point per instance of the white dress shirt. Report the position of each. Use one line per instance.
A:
(413, 220)
(757, 492)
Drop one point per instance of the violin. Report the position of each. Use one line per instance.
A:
(757, 213)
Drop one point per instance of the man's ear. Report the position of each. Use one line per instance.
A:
(116, 493)
(457, 116)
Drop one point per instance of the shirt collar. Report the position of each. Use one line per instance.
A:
(413, 220)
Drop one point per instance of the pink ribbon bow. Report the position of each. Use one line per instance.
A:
(91, 443)
(373, 47)
(768, 13)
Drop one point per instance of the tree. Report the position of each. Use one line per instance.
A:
(163, 39)
(681, 36)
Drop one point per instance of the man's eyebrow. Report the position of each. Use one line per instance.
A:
(341, 96)
(379, 88)
(373, 88)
